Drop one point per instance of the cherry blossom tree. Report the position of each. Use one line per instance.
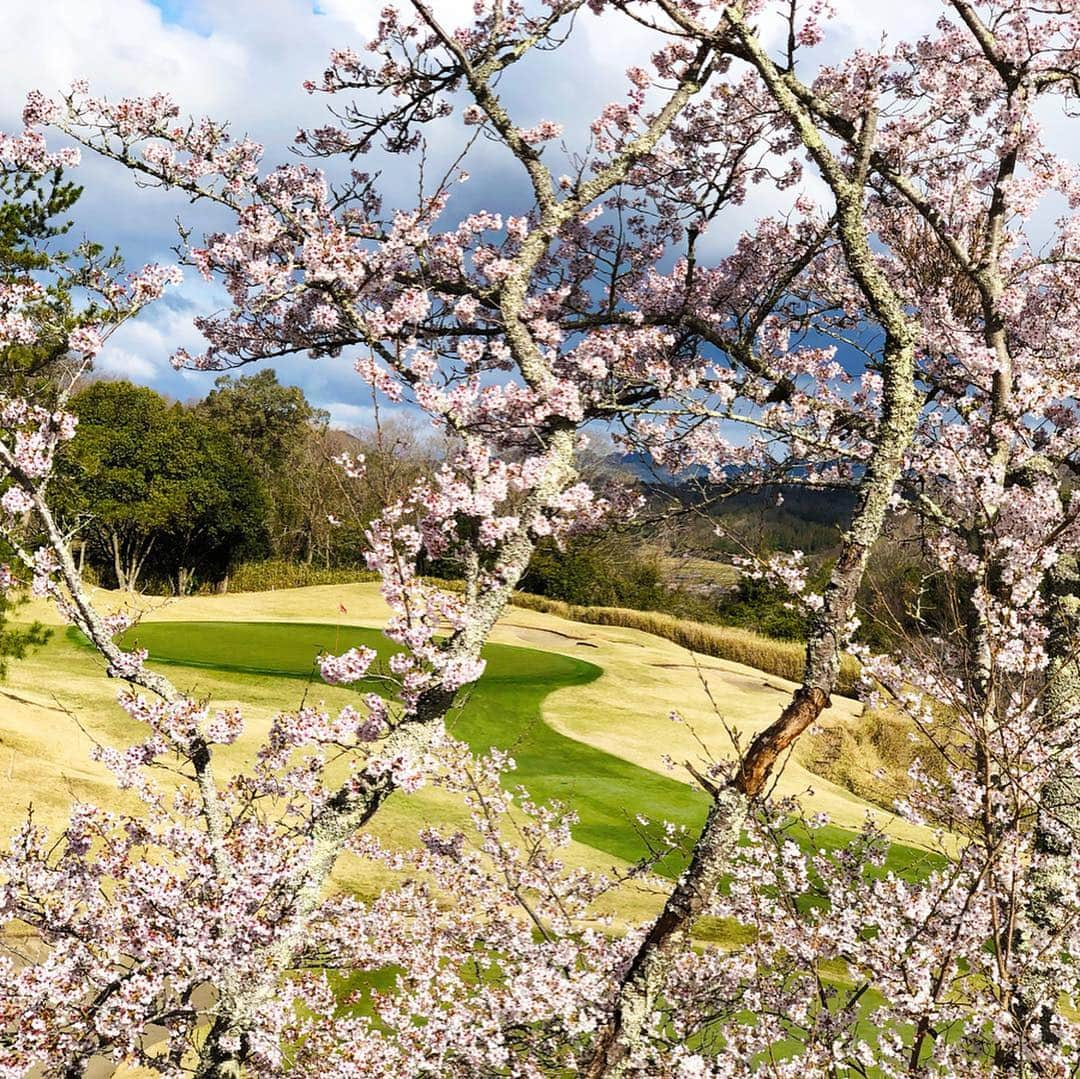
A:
(946, 130)
(432, 311)
(200, 935)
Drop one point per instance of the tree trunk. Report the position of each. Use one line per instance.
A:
(1057, 824)
(137, 563)
(118, 563)
(627, 1030)
(625, 1035)
(1057, 829)
(643, 982)
(184, 578)
(355, 802)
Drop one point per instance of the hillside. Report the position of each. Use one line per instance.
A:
(57, 703)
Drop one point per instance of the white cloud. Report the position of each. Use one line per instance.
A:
(362, 15)
(125, 364)
(864, 24)
(140, 349)
(349, 415)
(247, 68)
(121, 46)
(245, 61)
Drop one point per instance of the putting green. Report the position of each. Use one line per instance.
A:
(504, 709)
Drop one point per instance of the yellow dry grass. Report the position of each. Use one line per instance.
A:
(625, 711)
(57, 702)
(742, 646)
(694, 572)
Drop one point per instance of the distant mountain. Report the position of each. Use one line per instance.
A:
(645, 469)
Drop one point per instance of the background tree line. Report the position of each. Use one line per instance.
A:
(171, 497)
(165, 496)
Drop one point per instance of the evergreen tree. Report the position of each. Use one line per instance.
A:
(157, 490)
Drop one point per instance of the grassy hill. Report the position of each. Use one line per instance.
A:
(583, 708)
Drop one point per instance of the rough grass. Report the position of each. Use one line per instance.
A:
(871, 755)
(270, 575)
(868, 757)
(787, 659)
(696, 573)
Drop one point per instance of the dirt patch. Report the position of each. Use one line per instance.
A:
(688, 667)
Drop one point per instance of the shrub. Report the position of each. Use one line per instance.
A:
(597, 571)
(272, 575)
(871, 756)
(766, 607)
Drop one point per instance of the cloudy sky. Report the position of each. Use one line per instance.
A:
(245, 60)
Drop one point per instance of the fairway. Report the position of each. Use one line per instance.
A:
(583, 709)
(503, 710)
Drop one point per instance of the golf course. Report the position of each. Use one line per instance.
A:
(584, 711)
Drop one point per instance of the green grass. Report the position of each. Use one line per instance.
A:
(502, 710)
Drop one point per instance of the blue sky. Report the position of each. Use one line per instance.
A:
(245, 60)
(171, 10)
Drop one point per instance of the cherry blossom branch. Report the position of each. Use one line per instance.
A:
(120, 664)
(641, 985)
(349, 808)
